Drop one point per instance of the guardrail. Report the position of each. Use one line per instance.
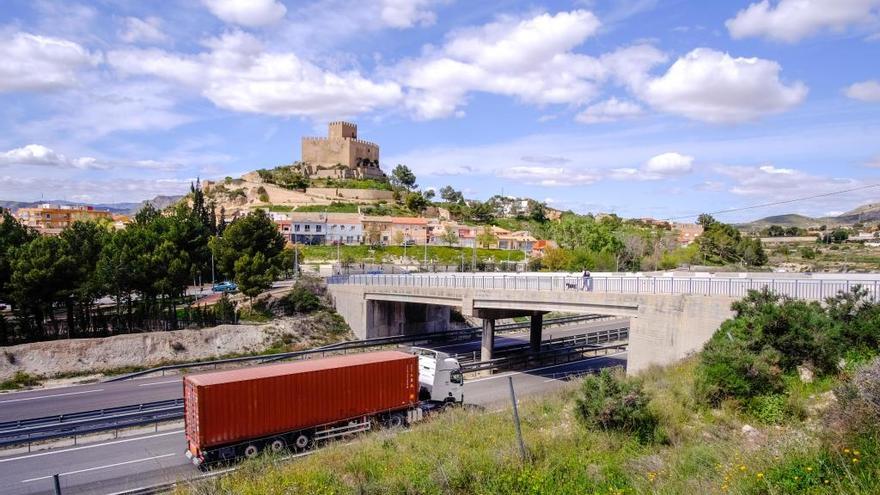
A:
(548, 357)
(596, 337)
(707, 286)
(28, 431)
(452, 335)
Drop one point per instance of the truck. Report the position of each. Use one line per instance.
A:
(239, 413)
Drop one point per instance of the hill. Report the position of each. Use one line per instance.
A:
(867, 213)
(159, 202)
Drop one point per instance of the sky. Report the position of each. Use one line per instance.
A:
(644, 108)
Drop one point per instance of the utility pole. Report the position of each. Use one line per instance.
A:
(295, 261)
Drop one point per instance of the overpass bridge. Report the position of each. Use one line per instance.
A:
(671, 316)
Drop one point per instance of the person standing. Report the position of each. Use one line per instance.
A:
(588, 281)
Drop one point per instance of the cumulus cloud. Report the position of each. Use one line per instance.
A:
(530, 59)
(662, 166)
(865, 91)
(771, 182)
(238, 73)
(609, 110)
(37, 63)
(135, 30)
(39, 155)
(407, 13)
(549, 176)
(248, 13)
(793, 20)
(712, 86)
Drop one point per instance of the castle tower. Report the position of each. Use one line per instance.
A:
(343, 130)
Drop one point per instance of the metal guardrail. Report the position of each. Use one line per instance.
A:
(452, 335)
(552, 356)
(33, 430)
(810, 289)
(596, 337)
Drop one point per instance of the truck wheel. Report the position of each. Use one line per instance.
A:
(251, 451)
(396, 420)
(277, 445)
(302, 441)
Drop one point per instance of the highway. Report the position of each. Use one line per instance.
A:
(152, 458)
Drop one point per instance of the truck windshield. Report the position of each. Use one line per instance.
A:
(456, 377)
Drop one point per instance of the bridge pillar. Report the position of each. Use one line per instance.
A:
(536, 323)
(488, 343)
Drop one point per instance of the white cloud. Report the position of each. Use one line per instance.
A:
(136, 30)
(549, 176)
(712, 86)
(662, 166)
(770, 182)
(249, 13)
(237, 73)
(530, 59)
(39, 155)
(37, 63)
(865, 91)
(407, 13)
(609, 110)
(793, 20)
(89, 190)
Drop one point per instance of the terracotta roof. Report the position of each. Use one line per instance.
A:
(410, 220)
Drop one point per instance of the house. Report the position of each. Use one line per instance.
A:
(377, 230)
(52, 219)
(309, 228)
(344, 228)
(410, 230)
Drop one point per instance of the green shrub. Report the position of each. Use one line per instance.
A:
(769, 409)
(224, 310)
(20, 380)
(300, 299)
(610, 401)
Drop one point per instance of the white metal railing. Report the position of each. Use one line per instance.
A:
(809, 289)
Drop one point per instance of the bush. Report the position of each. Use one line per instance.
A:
(610, 401)
(300, 299)
(224, 310)
(769, 409)
(20, 380)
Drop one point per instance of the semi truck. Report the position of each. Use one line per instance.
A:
(294, 406)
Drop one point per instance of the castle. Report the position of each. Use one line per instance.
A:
(340, 155)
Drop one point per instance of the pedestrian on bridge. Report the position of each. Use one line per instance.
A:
(588, 281)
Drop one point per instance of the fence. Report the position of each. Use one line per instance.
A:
(715, 286)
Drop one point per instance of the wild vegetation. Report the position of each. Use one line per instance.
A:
(657, 433)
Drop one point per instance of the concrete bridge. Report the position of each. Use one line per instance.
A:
(671, 316)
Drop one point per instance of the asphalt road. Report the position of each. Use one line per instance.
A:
(65, 400)
(128, 463)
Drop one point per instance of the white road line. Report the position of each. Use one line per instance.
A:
(526, 372)
(92, 446)
(51, 396)
(98, 468)
(159, 383)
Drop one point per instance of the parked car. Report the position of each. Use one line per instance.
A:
(226, 286)
(409, 242)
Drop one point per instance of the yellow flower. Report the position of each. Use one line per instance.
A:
(742, 468)
(856, 452)
(846, 451)
(826, 482)
(855, 460)
(809, 468)
(760, 475)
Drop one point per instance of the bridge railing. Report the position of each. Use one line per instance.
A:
(809, 289)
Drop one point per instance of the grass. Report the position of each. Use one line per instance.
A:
(352, 184)
(442, 254)
(20, 380)
(331, 208)
(470, 451)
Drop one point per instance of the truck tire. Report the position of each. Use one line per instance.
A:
(251, 451)
(396, 420)
(302, 441)
(277, 445)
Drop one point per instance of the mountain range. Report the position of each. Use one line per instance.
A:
(868, 213)
(158, 202)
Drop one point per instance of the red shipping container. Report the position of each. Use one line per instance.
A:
(228, 407)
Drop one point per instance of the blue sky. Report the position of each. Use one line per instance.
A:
(639, 107)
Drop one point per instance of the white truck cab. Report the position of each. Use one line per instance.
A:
(440, 377)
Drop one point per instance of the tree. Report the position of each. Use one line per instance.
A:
(41, 276)
(251, 234)
(12, 234)
(723, 243)
(415, 202)
(402, 177)
(450, 195)
(397, 238)
(450, 236)
(486, 238)
(481, 212)
(556, 259)
(373, 235)
(538, 213)
(634, 247)
(253, 274)
(429, 194)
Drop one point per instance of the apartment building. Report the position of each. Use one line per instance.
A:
(409, 230)
(344, 228)
(52, 219)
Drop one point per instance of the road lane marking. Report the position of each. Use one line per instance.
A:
(98, 468)
(159, 383)
(51, 396)
(526, 372)
(92, 446)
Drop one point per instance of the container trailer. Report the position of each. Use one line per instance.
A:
(239, 413)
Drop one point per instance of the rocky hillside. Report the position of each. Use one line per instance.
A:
(868, 213)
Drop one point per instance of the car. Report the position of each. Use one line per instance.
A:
(226, 286)
(409, 242)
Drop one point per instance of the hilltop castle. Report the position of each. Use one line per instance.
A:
(341, 155)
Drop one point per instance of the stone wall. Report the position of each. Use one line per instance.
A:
(355, 194)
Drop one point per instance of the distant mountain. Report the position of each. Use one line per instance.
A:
(159, 202)
(868, 213)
